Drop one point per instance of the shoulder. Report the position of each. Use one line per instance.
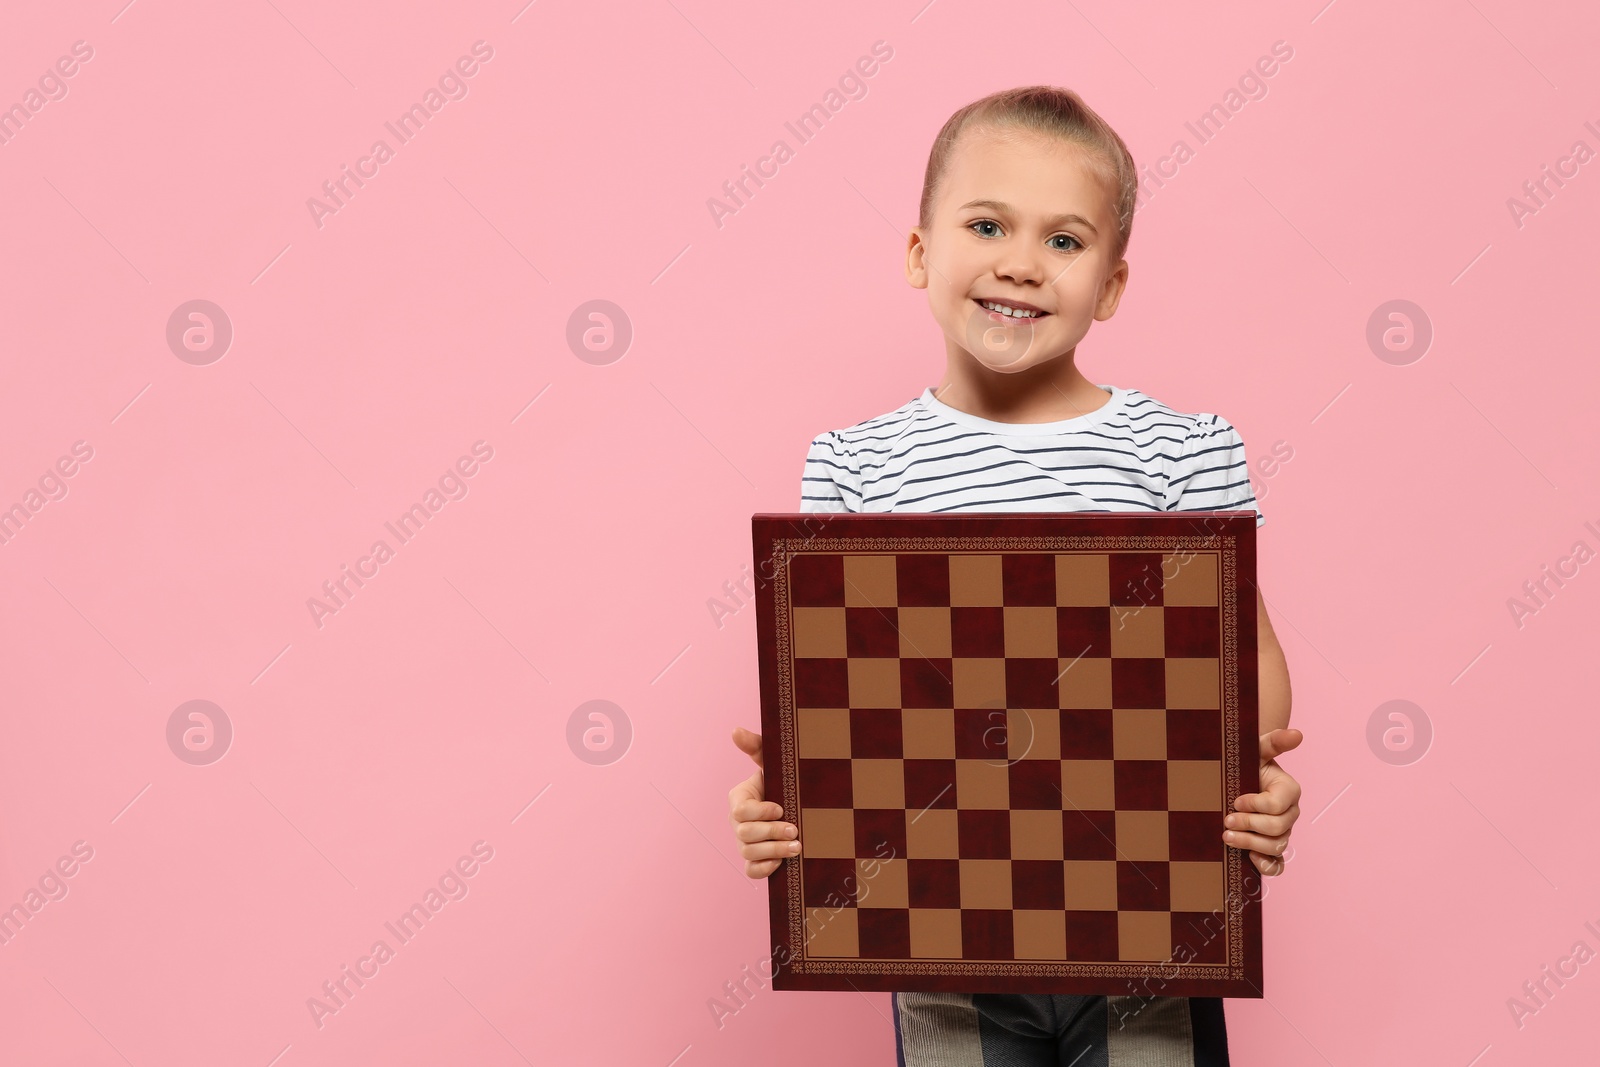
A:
(1193, 426)
(845, 445)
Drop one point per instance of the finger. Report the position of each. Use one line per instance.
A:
(1266, 825)
(749, 743)
(1267, 846)
(1277, 742)
(1267, 802)
(1269, 866)
(766, 831)
(767, 850)
(762, 869)
(754, 809)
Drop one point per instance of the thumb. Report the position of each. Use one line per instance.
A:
(749, 743)
(1276, 742)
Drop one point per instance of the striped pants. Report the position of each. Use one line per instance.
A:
(1014, 1030)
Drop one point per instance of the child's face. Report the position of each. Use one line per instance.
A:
(1042, 237)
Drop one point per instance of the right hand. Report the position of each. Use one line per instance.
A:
(764, 842)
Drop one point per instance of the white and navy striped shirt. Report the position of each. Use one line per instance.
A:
(1133, 453)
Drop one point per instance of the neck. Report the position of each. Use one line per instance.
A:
(1049, 392)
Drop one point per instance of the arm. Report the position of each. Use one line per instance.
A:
(1262, 821)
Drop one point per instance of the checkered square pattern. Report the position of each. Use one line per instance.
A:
(1013, 756)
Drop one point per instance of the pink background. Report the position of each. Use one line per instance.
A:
(369, 754)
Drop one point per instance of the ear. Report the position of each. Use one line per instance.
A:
(917, 259)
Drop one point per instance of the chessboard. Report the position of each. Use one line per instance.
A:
(1009, 741)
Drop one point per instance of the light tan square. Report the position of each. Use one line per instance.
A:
(1036, 835)
(1030, 632)
(975, 582)
(874, 683)
(1189, 579)
(1194, 785)
(878, 783)
(1193, 683)
(1144, 935)
(869, 582)
(1033, 733)
(1142, 835)
(982, 784)
(1197, 886)
(933, 835)
(1039, 935)
(924, 633)
(928, 733)
(1138, 632)
(881, 883)
(978, 683)
(1088, 785)
(823, 733)
(1083, 580)
(828, 833)
(985, 883)
(832, 934)
(819, 633)
(1085, 683)
(1139, 733)
(1091, 885)
(936, 933)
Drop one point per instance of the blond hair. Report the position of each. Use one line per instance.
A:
(1050, 110)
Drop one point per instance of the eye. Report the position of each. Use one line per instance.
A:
(1076, 244)
(983, 222)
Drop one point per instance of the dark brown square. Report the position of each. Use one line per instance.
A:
(1139, 683)
(829, 883)
(1029, 579)
(984, 833)
(1083, 632)
(977, 633)
(1194, 733)
(1086, 733)
(1092, 935)
(1038, 884)
(816, 580)
(1192, 631)
(875, 733)
(822, 683)
(1143, 885)
(825, 783)
(986, 934)
(1195, 835)
(881, 832)
(1089, 835)
(1035, 783)
(930, 783)
(926, 683)
(871, 632)
(1031, 683)
(1135, 578)
(1141, 784)
(933, 883)
(923, 580)
(1205, 932)
(884, 933)
(981, 733)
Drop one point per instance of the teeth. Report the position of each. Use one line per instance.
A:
(1016, 313)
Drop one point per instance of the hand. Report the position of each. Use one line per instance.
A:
(1263, 820)
(764, 842)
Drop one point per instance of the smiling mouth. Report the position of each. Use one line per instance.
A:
(1011, 315)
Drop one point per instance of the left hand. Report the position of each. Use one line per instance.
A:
(1261, 821)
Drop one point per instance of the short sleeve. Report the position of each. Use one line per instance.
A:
(1211, 472)
(830, 481)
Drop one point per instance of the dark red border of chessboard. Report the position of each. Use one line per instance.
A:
(776, 537)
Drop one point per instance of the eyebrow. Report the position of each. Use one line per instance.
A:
(1006, 208)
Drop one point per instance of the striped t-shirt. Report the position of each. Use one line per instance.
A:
(1133, 453)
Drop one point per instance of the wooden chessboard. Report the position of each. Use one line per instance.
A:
(1009, 742)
